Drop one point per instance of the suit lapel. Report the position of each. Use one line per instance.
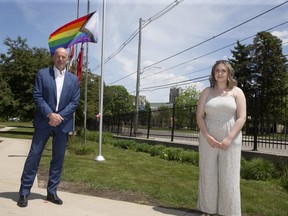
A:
(53, 84)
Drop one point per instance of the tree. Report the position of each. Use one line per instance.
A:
(186, 107)
(262, 74)
(7, 103)
(162, 117)
(144, 114)
(18, 69)
(117, 100)
(269, 61)
(92, 98)
(241, 62)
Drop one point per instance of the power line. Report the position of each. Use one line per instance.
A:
(161, 13)
(122, 78)
(269, 29)
(163, 80)
(224, 32)
(209, 53)
(194, 46)
(131, 37)
(169, 85)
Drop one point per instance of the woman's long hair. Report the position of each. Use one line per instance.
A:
(231, 82)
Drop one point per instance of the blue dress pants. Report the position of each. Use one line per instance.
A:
(40, 137)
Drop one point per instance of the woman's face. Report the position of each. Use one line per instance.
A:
(221, 73)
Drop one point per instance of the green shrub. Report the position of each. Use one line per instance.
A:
(75, 148)
(76, 143)
(167, 153)
(125, 144)
(157, 150)
(189, 156)
(171, 153)
(142, 147)
(107, 137)
(84, 150)
(258, 169)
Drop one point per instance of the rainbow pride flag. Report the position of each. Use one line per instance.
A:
(78, 31)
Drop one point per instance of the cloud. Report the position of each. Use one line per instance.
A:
(182, 40)
(283, 35)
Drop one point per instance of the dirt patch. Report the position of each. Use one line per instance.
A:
(84, 189)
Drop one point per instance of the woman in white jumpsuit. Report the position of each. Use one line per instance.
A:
(221, 114)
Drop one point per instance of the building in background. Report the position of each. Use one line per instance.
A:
(174, 93)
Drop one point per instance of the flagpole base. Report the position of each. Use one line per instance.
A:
(99, 158)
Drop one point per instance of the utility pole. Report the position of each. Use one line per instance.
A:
(136, 112)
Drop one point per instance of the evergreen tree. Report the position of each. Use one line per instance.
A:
(262, 74)
(241, 62)
(269, 62)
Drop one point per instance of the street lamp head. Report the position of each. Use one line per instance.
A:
(149, 67)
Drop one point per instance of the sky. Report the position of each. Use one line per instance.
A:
(178, 48)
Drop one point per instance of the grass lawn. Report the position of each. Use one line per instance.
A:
(155, 181)
(150, 179)
(138, 177)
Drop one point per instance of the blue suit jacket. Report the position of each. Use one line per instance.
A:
(44, 95)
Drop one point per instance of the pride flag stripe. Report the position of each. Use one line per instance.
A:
(71, 33)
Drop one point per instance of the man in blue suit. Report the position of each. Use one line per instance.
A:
(56, 95)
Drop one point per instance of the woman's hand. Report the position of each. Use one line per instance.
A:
(225, 143)
(212, 141)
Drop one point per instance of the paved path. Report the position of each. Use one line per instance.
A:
(13, 153)
(6, 128)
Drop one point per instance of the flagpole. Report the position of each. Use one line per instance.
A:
(100, 157)
(77, 18)
(86, 80)
(75, 48)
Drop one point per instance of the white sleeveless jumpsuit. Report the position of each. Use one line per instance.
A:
(219, 170)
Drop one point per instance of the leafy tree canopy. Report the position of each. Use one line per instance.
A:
(18, 69)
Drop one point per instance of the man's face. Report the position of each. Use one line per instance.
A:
(60, 58)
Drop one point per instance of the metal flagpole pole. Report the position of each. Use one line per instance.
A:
(86, 86)
(78, 7)
(100, 157)
(75, 50)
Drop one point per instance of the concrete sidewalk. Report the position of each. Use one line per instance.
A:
(13, 153)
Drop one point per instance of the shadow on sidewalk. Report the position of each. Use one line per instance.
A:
(176, 211)
(15, 196)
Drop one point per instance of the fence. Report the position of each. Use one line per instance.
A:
(179, 124)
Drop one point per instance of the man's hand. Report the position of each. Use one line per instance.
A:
(55, 119)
